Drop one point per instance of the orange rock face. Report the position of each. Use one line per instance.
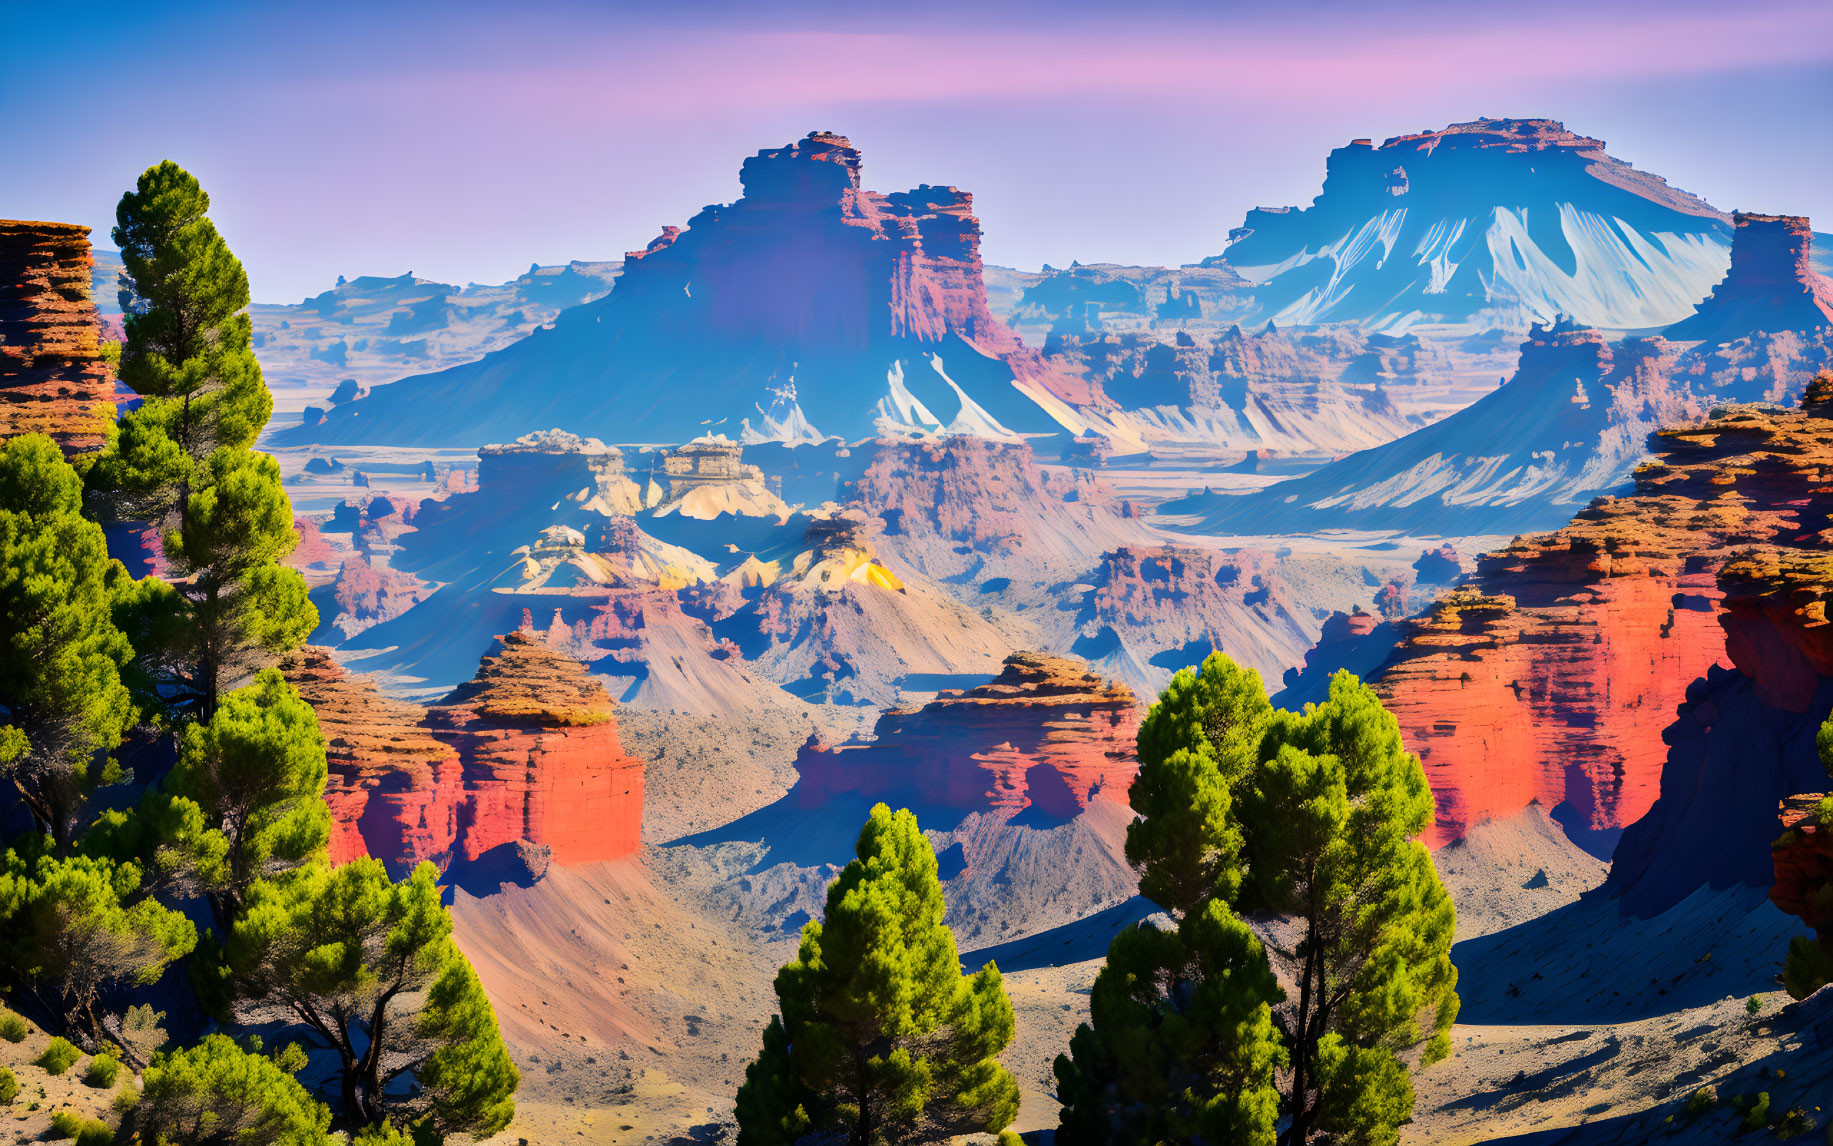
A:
(1556, 675)
(526, 753)
(394, 791)
(1046, 738)
(53, 379)
(1803, 856)
(537, 741)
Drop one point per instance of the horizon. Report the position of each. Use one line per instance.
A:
(505, 140)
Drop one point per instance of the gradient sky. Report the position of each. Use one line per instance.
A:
(463, 141)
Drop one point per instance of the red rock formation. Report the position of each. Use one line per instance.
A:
(394, 791)
(537, 740)
(1803, 858)
(53, 379)
(1046, 738)
(369, 594)
(1555, 674)
(1770, 286)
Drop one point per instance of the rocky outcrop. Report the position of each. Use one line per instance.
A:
(1492, 223)
(1044, 740)
(1803, 860)
(537, 740)
(1555, 673)
(53, 379)
(1770, 287)
(772, 309)
(523, 759)
(393, 789)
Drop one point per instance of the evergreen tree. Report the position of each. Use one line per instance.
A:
(78, 925)
(369, 968)
(881, 1037)
(182, 459)
(1309, 817)
(219, 1092)
(63, 706)
(256, 771)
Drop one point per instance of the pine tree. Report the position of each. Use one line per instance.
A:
(368, 967)
(63, 706)
(80, 926)
(1310, 817)
(219, 1092)
(182, 459)
(881, 1037)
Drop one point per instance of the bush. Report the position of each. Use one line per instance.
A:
(95, 1132)
(102, 1071)
(1756, 1117)
(65, 1124)
(12, 1027)
(1702, 1100)
(59, 1057)
(1753, 1005)
(9, 1087)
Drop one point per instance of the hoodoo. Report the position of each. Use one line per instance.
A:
(53, 379)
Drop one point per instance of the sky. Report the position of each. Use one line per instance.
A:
(463, 141)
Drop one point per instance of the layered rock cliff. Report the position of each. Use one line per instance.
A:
(1771, 285)
(53, 379)
(772, 309)
(1556, 672)
(523, 758)
(1492, 223)
(537, 740)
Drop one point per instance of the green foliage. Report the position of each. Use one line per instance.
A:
(371, 969)
(80, 925)
(1808, 968)
(1753, 1005)
(218, 1091)
(12, 1027)
(255, 772)
(1701, 1101)
(183, 459)
(1312, 817)
(881, 1037)
(9, 1087)
(62, 701)
(65, 1124)
(59, 1055)
(101, 1071)
(1756, 1111)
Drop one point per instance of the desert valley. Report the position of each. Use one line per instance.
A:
(1471, 525)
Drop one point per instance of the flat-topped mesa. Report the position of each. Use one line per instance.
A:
(53, 379)
(566, 463)
(1046, 738)
(709, 476)
(1771, 286)
(393, 789)
(537, 739)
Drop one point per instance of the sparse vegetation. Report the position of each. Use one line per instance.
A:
(101, 1071)
(58, 1056)
(9, 1087)
(12, 1027)
(1701, 1100)
(1753, 1005)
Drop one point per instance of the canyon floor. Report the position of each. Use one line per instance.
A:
(634, 993)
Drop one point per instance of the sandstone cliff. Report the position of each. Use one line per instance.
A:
(772, 310)
(1771, 285)
(53, 379)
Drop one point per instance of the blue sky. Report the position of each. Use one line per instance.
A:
(464, 141)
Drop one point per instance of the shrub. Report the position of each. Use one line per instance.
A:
(1757, 1116)
(94, 1132)
(12, 1027)
(58, 1057)
(1702, 1100)
(65, 1124)
(9, 1087)
(1753, 1005)
(1795, 1123)
(102, 1071)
